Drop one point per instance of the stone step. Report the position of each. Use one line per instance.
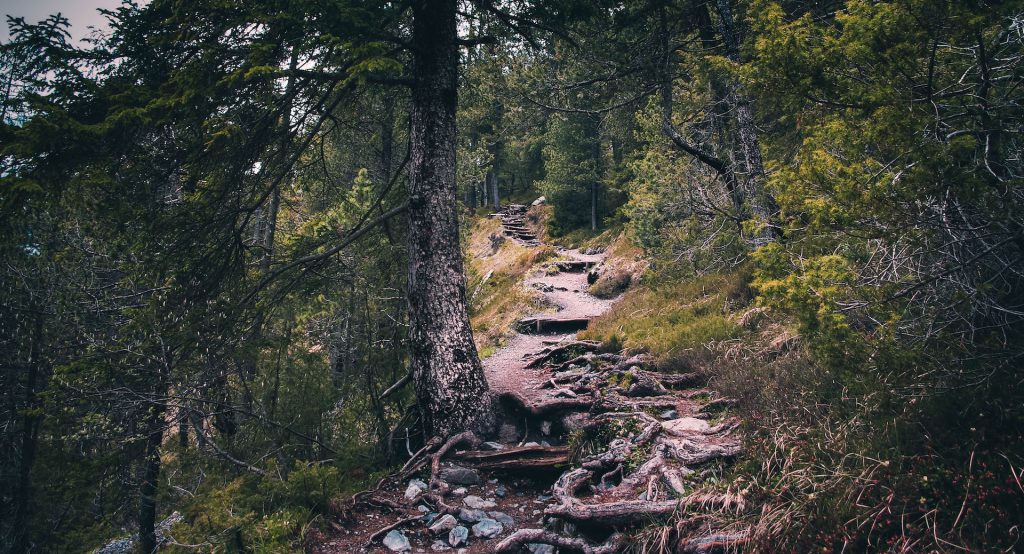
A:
(573, 266)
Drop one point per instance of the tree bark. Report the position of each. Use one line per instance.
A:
(450, 383)
(148, 485)
(29, 440)
(761, 204)
(492, 186)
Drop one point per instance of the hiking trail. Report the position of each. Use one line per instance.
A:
(589, 444)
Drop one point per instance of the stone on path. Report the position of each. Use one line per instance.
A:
(685, 426)
(477, 503)
(458, 536)
(415, 488)
(458, 475)
(396, 541)
(502, 518)
(470, 515)
(444, 524)
(487, 528)
(540, 548)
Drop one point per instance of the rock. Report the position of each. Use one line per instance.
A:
(478, 503)
(545, 428)
(539, 201)
(491, 445)
(396, 541)
(669, 414)
(457, 475)
(487, 529)
(500, 491)
(461, 491)
(540, 548)
(502, 518)
(545, 444)
(531, 443)
(471, 516)
(415, 488)
(685, 426)
(458, 536)
(444, 524)
(440, 546)
(422, 509)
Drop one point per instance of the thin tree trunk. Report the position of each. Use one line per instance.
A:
(449, 379)
(492, 186)
(761, 204)
(148, 485)
(29, 440)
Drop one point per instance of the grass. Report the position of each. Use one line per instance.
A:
(681, 324)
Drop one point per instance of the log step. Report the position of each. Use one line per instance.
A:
(523, 457)
(538, 325)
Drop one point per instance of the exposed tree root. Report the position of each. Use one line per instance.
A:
(516, 541)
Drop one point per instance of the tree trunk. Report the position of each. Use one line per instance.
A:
(596, 183)
(761, 204)
(29, 440)
(449, 379)
(492, 186)
(148, 485)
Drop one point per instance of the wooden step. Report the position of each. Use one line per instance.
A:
(519, 458)
(538, 325)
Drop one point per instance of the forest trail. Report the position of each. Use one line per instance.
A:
(589, 443)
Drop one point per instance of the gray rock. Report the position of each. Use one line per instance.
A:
(458, 536)
(669, 414)
(415, 488)
(531, 443)
(540, 548)
(487, 529)
(500, 491)
(502, 518)
(457, 475)
(422, 509)
(396, 541)
(461, 491)
(539, 201)
(471, 516)
(477, 503)
(440, 546)
(491, 445)
(444, 524)
(545, 428)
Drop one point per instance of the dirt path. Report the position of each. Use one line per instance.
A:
(506, 369)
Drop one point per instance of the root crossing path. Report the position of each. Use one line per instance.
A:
(595, 450)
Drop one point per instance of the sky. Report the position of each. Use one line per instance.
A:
(81, 13)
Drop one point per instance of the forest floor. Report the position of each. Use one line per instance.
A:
(590, 445)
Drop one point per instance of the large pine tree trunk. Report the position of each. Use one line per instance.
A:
(450, 383)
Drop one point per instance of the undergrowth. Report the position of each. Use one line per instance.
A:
(841, 455)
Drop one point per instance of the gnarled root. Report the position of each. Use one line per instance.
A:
(515, 541)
